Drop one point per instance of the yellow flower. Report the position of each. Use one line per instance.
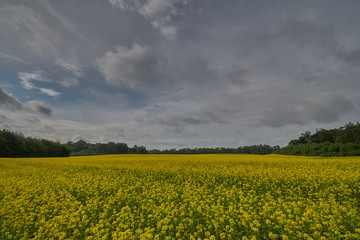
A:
(179, 197)
(285, 237)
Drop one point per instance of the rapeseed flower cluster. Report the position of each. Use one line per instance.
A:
(180, 197)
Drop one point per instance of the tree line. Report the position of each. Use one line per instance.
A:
(343, 141)
(14, 144)
(83, 148)
(253, 149)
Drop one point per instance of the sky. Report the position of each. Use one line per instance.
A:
(178, 73)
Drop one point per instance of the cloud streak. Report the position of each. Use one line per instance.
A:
(34, 35)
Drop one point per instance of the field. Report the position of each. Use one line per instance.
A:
(180, 197)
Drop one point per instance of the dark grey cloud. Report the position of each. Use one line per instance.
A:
(180, 123)
(45, 37)
(196, 69)
(322, 108)
(293, 30)
(177, 124)
(304, 32)
(295, 49)
(238, 75)
(350, 56)
(10, 102)
(4, 122)
(39, 107)
(194, 72)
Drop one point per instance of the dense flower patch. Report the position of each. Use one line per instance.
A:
(180, 197)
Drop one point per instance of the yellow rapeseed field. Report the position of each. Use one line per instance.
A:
(180, 197)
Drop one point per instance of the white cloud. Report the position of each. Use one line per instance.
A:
(70, 67)
(161, 23)
(154, 7)
(169, 32)
(126, 4)
(129, 66)
(72, 73)
(50, 92)
(149, 8)
(159, 12)
(27, 78)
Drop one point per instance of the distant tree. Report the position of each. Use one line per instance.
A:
(121, 148)
(83, 148)
(14, 144)
(324, 135)
(80, 145)
(140, 149)
(350, 133)
(344, 141)
(255, 149)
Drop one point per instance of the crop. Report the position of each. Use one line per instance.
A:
(180, 197)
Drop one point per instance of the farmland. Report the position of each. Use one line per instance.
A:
(180, 197)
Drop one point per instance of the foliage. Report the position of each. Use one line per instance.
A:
(344, 141)
(254, 149)
(14, 144)
(180, 197)
(81, 148)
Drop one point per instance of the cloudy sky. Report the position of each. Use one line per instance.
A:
(178, 73)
